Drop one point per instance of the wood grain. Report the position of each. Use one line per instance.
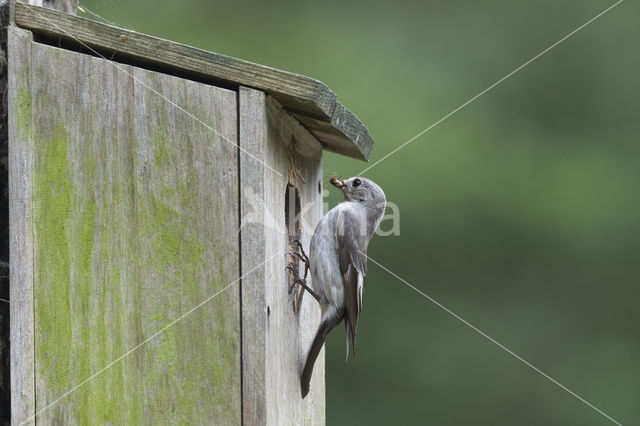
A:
(21, 150)
(306, 97)
(134, 208)
(275, 340)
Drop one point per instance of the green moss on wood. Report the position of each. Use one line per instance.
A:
(125, 246)
(52, 210)
(162, 151)
(169, 222)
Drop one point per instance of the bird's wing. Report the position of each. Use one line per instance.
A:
(352, 249)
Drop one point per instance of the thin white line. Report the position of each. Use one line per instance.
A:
(163, 329)
(489, 88)
(500, 345)
(119, 68)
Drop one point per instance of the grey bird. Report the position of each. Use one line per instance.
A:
(338, 262)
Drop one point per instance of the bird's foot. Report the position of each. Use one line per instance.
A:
(302, 256)
(292, 277)
(303, 284)
(295, 291)
(297, 288)
(299, 245)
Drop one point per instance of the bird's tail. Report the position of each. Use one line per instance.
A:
(325, 327)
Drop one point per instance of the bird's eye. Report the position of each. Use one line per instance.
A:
(357, 183)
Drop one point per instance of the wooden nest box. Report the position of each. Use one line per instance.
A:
(148, 183)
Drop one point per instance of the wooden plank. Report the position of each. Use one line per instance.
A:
(12, 4)
(21, 152)
(275, 340)
(135, 215)
(298, 94)
(5, 287)
(253, 136)
(298, 91)
(190, 245)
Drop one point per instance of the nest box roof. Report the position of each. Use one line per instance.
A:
(310, 101)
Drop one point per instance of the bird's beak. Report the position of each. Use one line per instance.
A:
(336, 182)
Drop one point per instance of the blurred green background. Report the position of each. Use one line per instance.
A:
(521, 212)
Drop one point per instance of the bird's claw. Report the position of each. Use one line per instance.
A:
(293, 271)
(299, 285)
(302, 255)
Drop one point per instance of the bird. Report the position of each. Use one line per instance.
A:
(338, 263)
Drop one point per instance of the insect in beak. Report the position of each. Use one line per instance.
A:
(336, 182)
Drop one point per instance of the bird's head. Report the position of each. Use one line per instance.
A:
(359, 189)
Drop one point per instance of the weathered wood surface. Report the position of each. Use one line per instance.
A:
(21, 224)
(5, 289)
(12, 4)
(337, 128)
(125, 217)
(275, 340)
